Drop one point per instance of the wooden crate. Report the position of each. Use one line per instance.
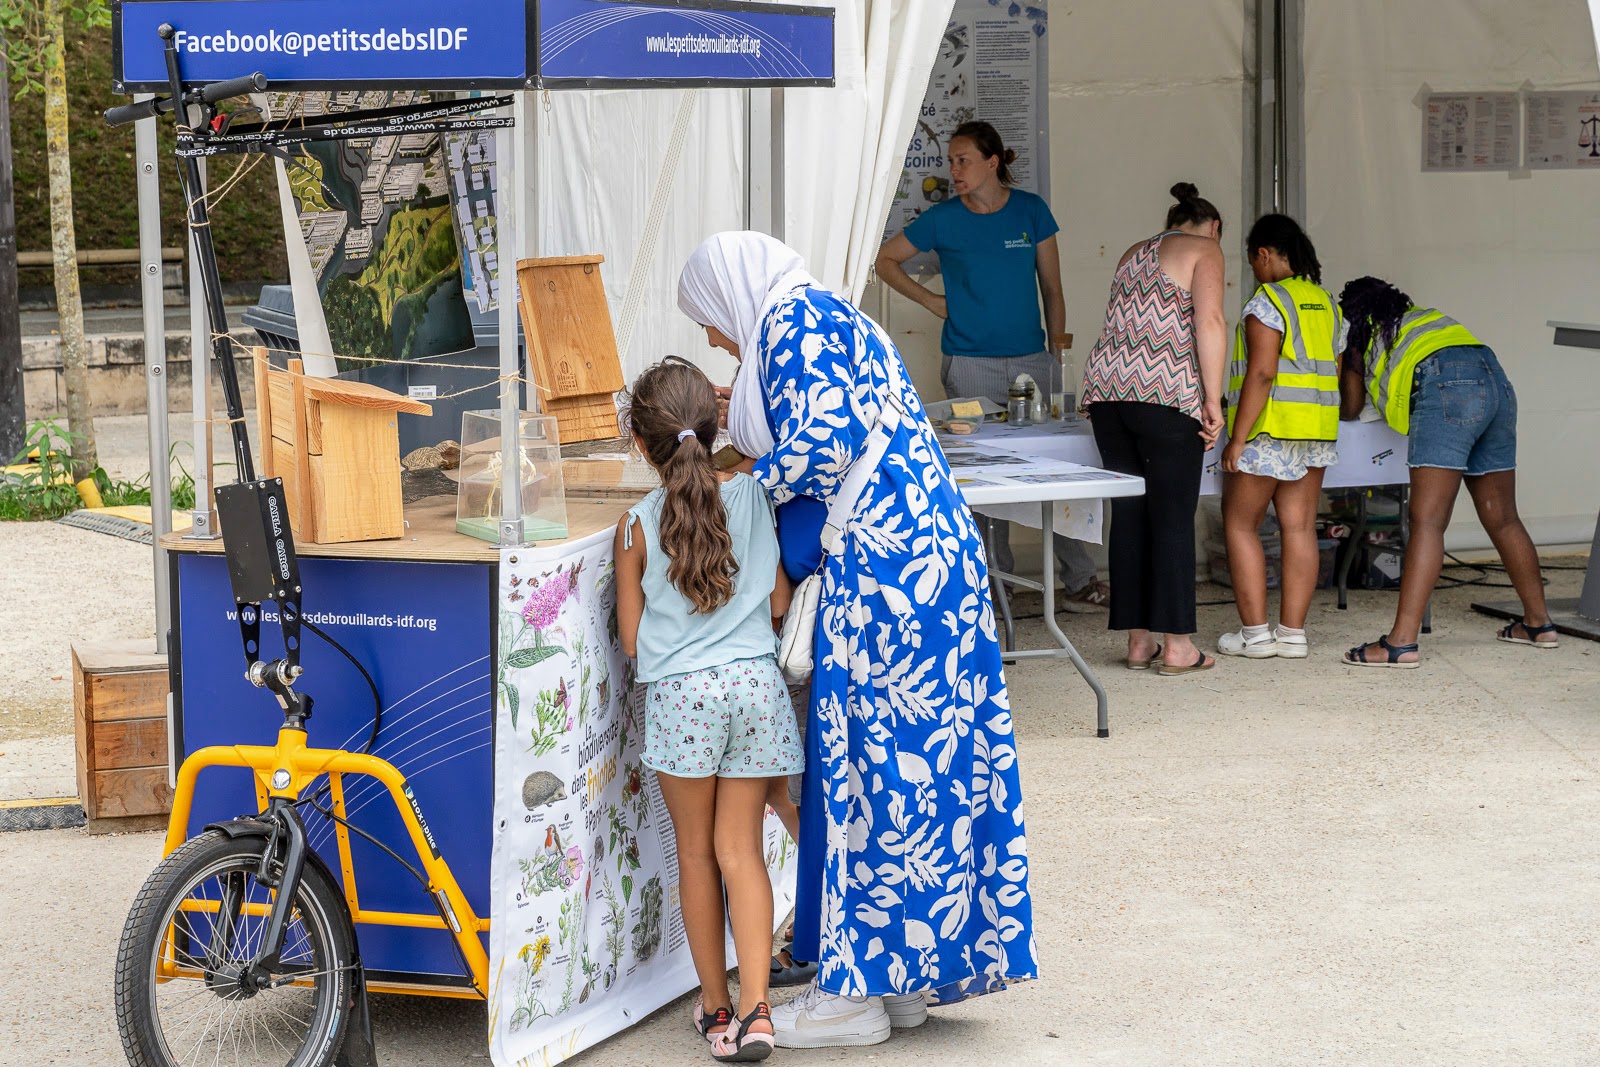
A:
(572, 349)
(119, 691)
(336, 446)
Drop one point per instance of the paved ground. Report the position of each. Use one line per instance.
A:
(1273, 863)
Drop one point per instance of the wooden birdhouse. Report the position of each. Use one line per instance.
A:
(336, 446)
(572, 349)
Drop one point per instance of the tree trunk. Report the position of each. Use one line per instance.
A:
(64, 247)
(13, 408)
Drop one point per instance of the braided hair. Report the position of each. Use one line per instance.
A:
(1284, 234)
(1374, 309)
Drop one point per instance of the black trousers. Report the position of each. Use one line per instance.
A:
(1152, 536)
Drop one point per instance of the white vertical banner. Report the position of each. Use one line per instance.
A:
(586, 937)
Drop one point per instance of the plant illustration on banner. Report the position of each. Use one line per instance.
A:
(647, 931)
(529, 1009)
(571, 926)
(530, 634)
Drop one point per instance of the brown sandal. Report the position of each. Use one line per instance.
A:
(1204, 663)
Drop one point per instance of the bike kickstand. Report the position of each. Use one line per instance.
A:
(358, 1050)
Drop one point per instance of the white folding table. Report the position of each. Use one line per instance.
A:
(1016, 480)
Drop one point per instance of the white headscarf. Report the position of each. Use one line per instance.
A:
(731, 282)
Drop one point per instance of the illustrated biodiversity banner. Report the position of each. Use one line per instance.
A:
(993, 65)
(586, 937)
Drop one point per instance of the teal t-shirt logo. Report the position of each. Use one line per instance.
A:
(989, 265)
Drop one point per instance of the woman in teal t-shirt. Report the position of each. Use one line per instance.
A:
(997, 252)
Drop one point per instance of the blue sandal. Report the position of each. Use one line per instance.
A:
(1508, 635)
(796, 973)
(1357, 657)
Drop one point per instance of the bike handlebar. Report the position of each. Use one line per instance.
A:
(250, 83)
(143, 109)
(210, 94)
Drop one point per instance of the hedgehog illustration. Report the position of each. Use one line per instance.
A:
(541, 788)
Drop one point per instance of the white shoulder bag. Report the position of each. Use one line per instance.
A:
(797, 645)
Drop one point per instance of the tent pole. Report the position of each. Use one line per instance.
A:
(1280, 108)
(155, 362)
(763, 183)
(508, 143)
(203, 519)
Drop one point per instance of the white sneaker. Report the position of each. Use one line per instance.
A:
(1290, 646)
(905, 1010)
(1262, 646)
(816, 1019)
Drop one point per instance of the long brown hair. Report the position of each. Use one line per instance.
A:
(667, 399)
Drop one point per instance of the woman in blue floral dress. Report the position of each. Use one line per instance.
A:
(913, 858)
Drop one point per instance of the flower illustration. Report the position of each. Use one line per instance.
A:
(544, 603)
(572, 866)
(534, 955)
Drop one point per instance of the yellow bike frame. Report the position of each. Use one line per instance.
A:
(304, 765)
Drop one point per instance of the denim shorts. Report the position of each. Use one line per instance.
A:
(1463, 413)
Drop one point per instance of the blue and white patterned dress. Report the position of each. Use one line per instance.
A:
(912, 810)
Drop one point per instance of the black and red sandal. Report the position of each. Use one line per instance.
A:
(722, 1017)
(737, 1044)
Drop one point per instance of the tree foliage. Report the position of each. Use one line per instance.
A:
(30, 48)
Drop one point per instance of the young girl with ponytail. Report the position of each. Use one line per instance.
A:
(1282, 410)
(698, 588)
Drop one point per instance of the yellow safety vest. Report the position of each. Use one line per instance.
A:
(1423, 331)
(1304, 402)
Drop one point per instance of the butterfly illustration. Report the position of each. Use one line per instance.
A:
(563, 697)
(573, 576)
(516, 580)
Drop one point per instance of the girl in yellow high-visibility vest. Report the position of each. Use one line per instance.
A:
(1282, 409)
(1431, 379)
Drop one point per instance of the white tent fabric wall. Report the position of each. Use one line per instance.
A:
(845, 146)
(1502, 253)
(1139, 99)
(599, 155)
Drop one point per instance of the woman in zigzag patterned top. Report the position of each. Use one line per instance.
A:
(1153, 388)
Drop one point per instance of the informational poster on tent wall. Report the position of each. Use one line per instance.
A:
(1471, 131)
(472, 202)
(993, 65)
(1563, 130)
(375, 218)
(586, 937)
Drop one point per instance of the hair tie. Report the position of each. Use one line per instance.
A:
(684, 435)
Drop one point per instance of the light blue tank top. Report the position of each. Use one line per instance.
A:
(673, 639)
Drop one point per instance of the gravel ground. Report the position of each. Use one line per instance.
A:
(59, 585)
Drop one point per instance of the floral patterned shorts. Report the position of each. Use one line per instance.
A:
(1287, 461)
(733, 721)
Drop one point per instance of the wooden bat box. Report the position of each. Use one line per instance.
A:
(572, 348)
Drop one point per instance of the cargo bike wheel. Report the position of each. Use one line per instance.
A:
(186, 992)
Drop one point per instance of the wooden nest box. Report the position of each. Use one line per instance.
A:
(572, 349)
(336, 446)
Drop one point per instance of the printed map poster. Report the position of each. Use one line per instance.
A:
(472, 197)
(586, 937)
(1471, 132)
(375, 217)
(993, 65)
(1563, 130)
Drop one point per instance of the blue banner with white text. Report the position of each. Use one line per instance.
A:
(331, 44)
(623, 40)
